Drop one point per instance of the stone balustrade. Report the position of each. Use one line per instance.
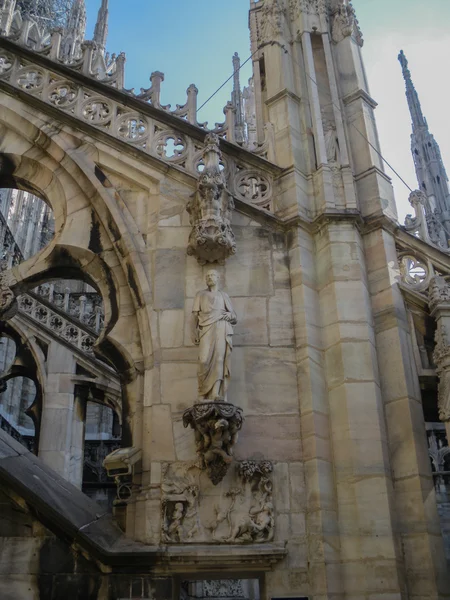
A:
(64, 326)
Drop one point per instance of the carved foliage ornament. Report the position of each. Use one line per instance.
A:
(439, 301)
(344, 22)
(441, 357)
(211, 239)
(216, 426)
(438, 292)
(272, 19)
(309, 7)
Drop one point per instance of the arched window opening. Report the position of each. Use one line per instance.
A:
(16, 398)
(26, 225)
(20, 392)
(102, 436)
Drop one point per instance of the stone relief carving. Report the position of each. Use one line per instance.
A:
(272, 19)
(194, 511)
(210, 210)
(439, 302)
(258, 525)
(223, 588)
(226, 589)
(344, 22)
(441, 357)
(8, 300)
(216, 426)
(309, 7)
(438, 292)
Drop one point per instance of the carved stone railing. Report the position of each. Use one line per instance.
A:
(27, 441)
(149, 135)
(86, 307)
(26, 32)
(92, 62)
(57, 322)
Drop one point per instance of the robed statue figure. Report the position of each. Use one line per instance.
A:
(212, 320)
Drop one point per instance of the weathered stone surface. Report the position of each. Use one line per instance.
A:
(249, 272)
(169, 279)
(251, 328)
(264, 380)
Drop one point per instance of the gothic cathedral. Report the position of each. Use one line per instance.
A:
(224, 363)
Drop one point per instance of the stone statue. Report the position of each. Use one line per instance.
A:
(331, 141)
(210, 210)
(213, 318)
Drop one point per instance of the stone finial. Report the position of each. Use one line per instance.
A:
(212, 239)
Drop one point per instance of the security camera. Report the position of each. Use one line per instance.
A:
(120, 462)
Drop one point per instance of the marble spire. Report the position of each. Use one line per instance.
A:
(75, 30)
(101, 27)
(430, 170)
(236, 100)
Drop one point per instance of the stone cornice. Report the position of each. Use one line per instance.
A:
(359, 95)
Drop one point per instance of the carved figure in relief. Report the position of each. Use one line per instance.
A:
(216, 426)
(174, 528)
(212, 324)
(8, 300)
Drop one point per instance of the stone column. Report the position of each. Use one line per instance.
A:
(413, 500)
(369, 555)
(76, 463)
(57, 410)
(317, 469)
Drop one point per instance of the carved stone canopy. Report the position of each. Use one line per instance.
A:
(216, 426)
(211, 239)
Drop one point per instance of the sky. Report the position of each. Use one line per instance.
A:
(192, 41)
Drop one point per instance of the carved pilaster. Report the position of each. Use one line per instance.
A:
(212, 239)
(439, 302)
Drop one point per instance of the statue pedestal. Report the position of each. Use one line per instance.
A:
(216, 426)
(211, 240)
